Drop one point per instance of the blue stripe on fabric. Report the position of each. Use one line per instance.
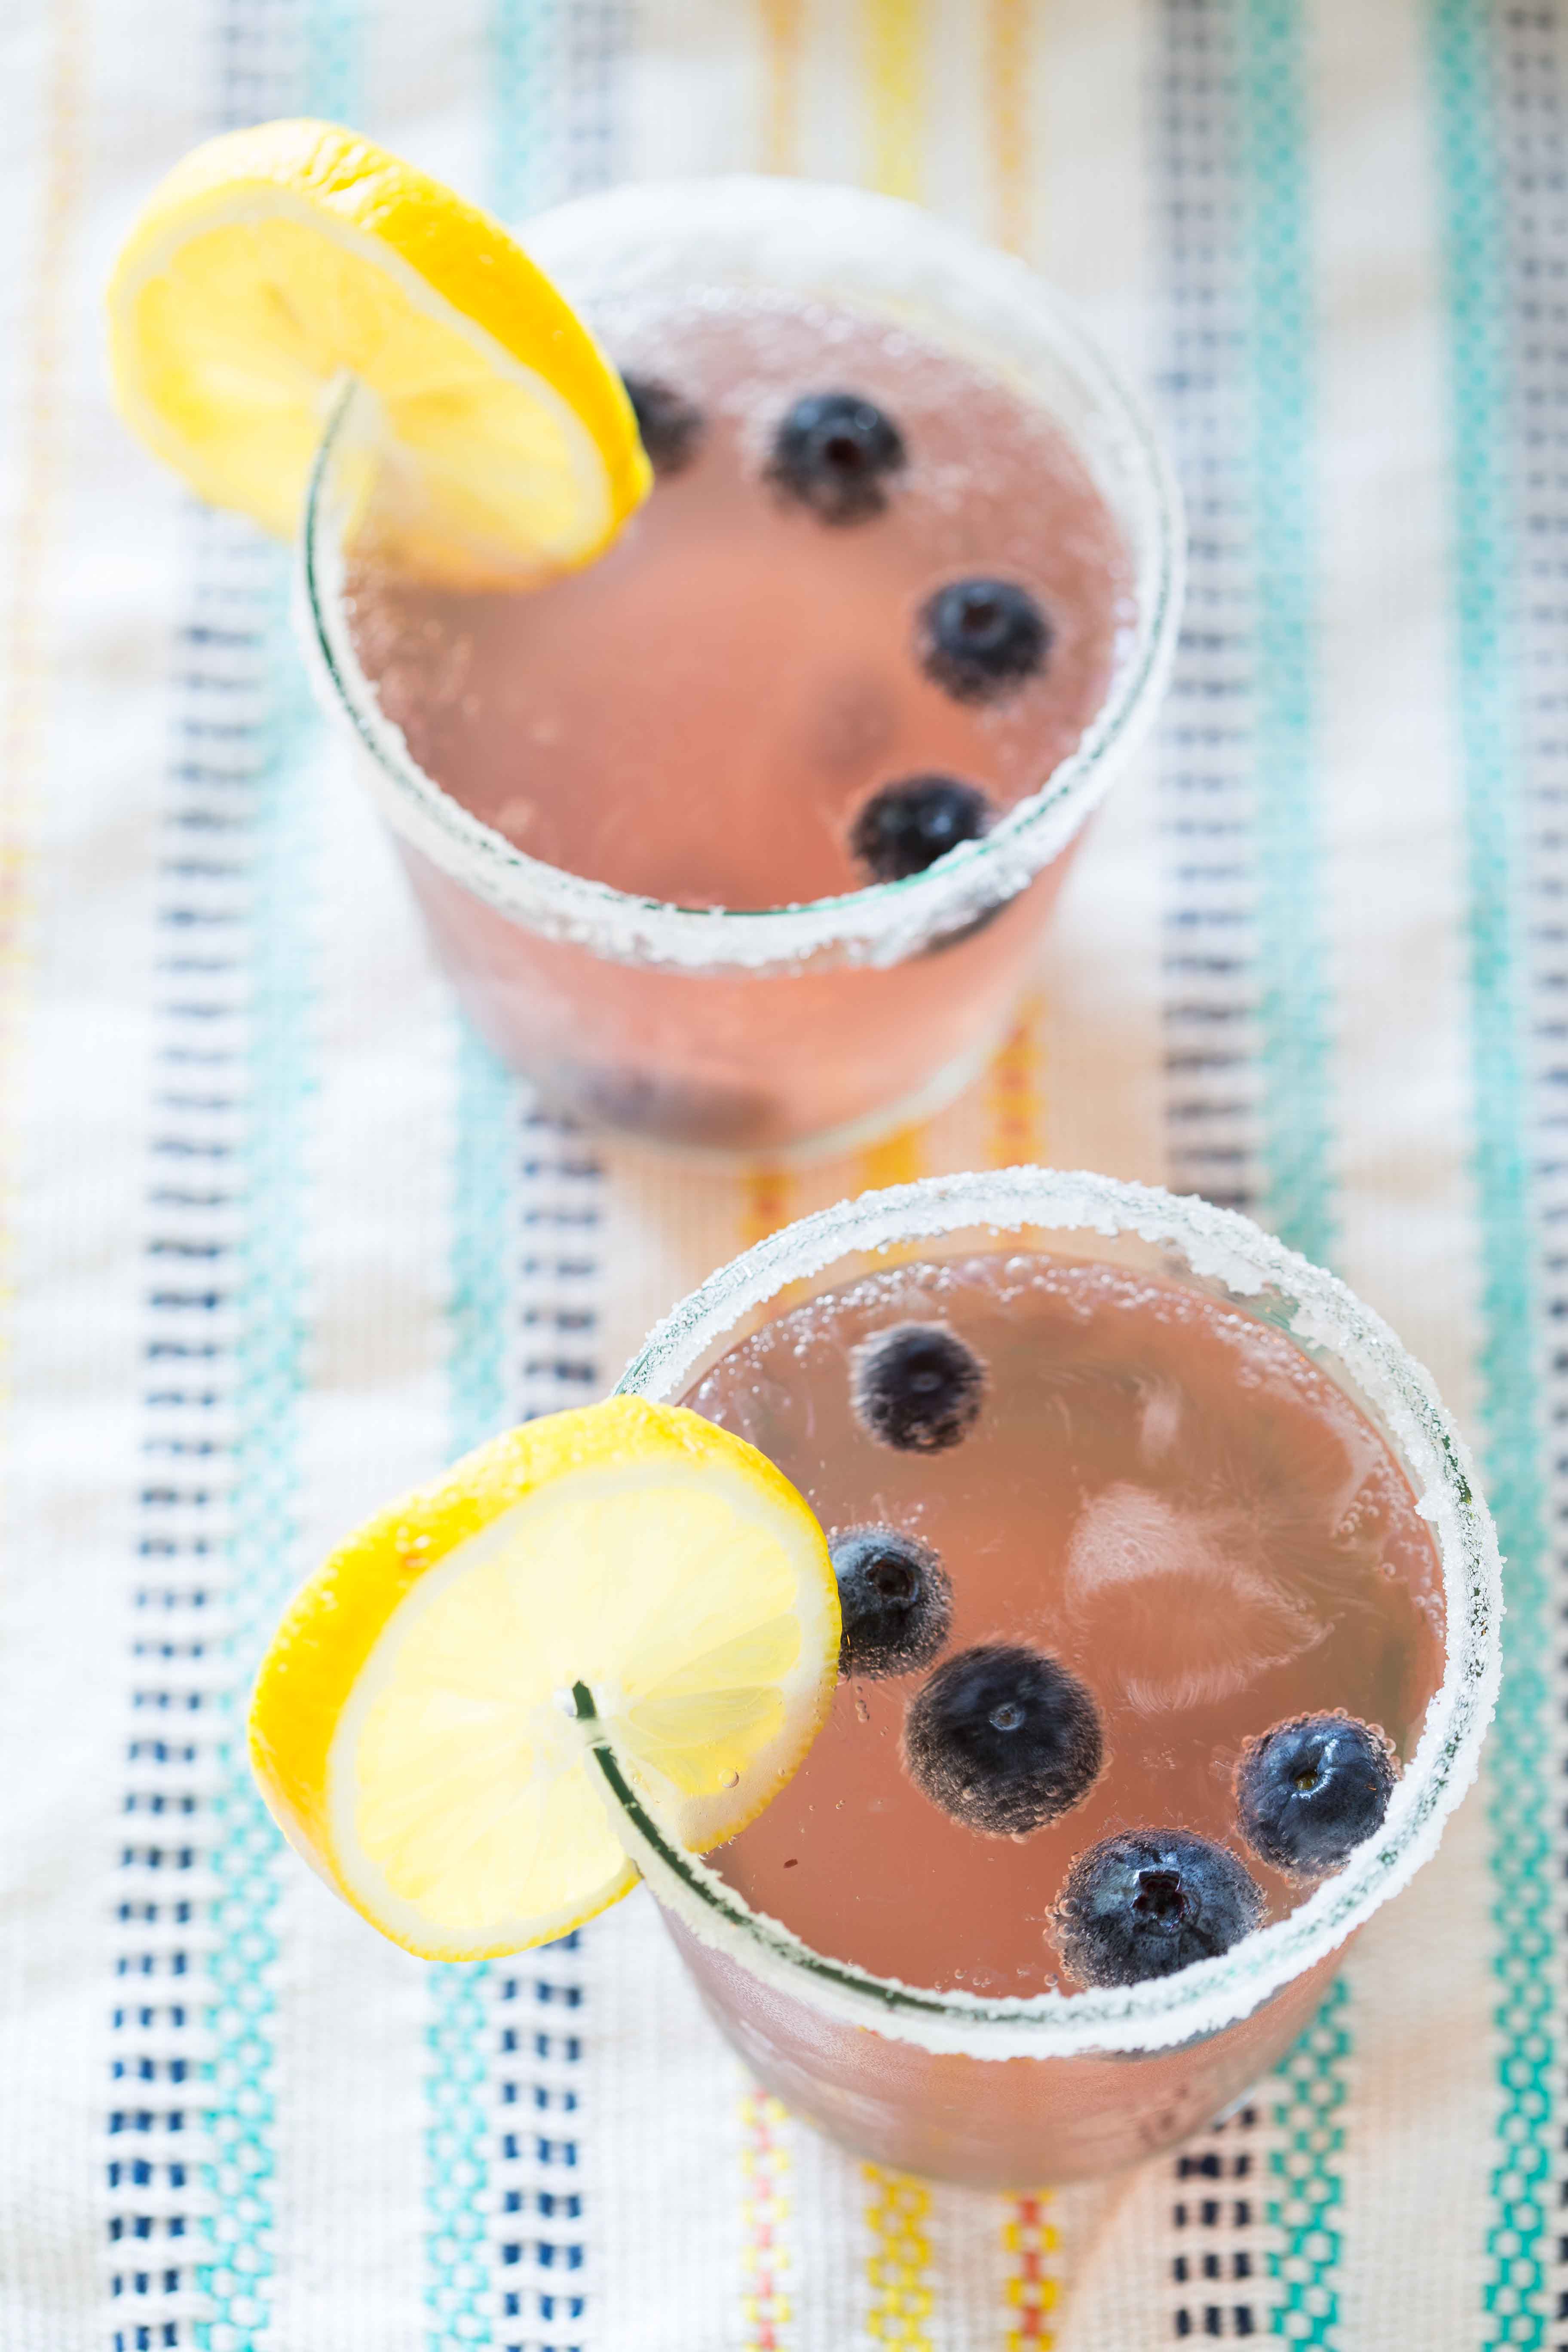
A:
(1208, 803)
(1297, 1176)
(598, 34)
(1247, 1005)
(264, 1551)
(1487, 667)
(483, 1178)
(190, 2020)
(1208, 1011)
(1247, 993)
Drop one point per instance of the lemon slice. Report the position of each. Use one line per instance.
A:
(413, 1729)
(274, 262)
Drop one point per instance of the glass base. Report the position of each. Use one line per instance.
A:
(937, 1092)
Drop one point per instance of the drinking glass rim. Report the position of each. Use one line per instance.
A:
(1221, 1244)
(885, 921)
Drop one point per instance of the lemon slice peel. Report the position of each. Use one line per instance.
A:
(274, 261)
(413, 1727)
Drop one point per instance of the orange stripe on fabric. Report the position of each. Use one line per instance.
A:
(764, 2211)
(784, 36)
(766, 1205)
(1016, 1088)
(894, 38)
(899, 1158)
(899, 2266)
(895, 1160)
(23, 710)
(1030, 2240)
(1015, 1096)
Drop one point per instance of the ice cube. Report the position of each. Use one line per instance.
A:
(1177, 1602)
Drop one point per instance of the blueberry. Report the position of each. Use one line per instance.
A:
(896, 1599)
(980, 638)
(907, 826)
(1311, 1788)
(1003, 1739)
(665, 1109)
(1148, 1902)
(917, 1386)
(833, 453)
(671, 429)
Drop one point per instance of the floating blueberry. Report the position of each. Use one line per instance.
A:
(907, 826)
(670, 427)
(667, 1110)
(980, 638)
(896, 1599)
(1003, 1739)
(1311, 1788)
(1148, 1902)
(917, 1386)
(833, 453)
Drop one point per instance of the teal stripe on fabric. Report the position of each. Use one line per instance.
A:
(1273, 148)
(457, 2144)
(334, 32)
(1276, 227)
(457, 2141)
(520, 49)
(264, 1558)
(271, 1311)
(1488, 670)
(1307, 2166)
(525, 53)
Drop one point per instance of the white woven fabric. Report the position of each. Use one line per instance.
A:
(274, 1239)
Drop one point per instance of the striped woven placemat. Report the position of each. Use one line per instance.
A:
(276, 1236)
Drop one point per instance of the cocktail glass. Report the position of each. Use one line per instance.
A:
(1014, 2093)
(805, 1028)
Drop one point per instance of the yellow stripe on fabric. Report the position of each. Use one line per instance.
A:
(894, 38)
(1007, 26)
(899, 2265)
(23, 713)
(895, 60)
(899, 1158)
(768, 1193)
(895, 1160)
(784, 39)
(1029, 2241)
(765, 2213)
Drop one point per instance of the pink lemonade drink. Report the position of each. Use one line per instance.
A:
(740, 838)
(1170, 1639)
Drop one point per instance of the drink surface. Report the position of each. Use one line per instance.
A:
(702, 715)
(1159, 1492)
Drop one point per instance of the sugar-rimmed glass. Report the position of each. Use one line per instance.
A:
(1017, 2092)
(799, 1029)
